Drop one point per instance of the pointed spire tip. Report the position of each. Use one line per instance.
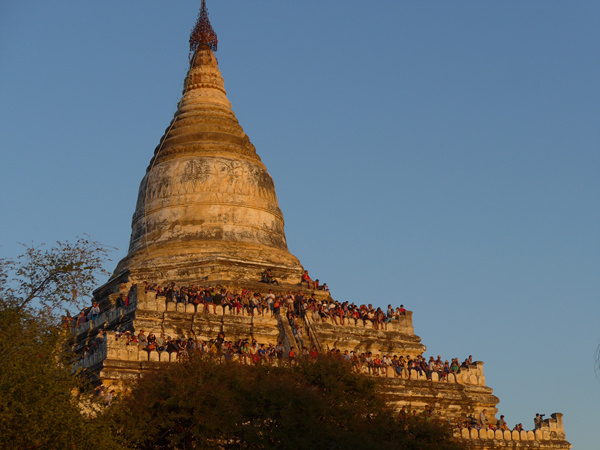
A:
(203, 33)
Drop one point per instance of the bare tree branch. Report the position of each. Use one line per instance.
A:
(49, 276)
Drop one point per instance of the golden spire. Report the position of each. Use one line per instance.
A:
(203, 33)
(207, 206)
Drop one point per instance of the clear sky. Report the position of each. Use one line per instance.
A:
(443, 155)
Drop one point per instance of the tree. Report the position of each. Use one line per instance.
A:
(39, 395)
(312, 404)
(64, 274)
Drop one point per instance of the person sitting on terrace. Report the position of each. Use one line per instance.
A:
(418, 365)
(277, 306)
(169, 292)
(66, 321)
(208, 300)
(255, 308)
(100, 337)
(369, 362)
(380, 318)
(262, 353)
(194, 295)
(376, 364)
(160, 342)
(298, 304)
(270, 301)
(396, 365)
(389, 315)
(339, 312)
(501, 424)
(430, 367)
(267, 277)
(306, 279)
(454, 367)
(183, 294)
(298, 334)
(94, 311)
(371, 317)
(323, 313)
(131, 338)
(483, 422)
(279, 350)
(445, 371)
(217, 299)
(81, 318)
(151, 342)
(237, 304)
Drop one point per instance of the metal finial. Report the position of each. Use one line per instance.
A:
(203, 33)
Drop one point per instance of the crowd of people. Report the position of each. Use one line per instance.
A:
(206, 300)
(93, 311)
(482, 423)
(85, 315)
(407, 367)
(295, 305)
(247, 351)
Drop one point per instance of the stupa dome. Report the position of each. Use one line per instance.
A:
(207, 205)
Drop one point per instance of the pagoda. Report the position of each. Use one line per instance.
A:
(206, 207)
(207, 213)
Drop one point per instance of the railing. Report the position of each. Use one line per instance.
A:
(403, 324)
(161, 305)
(473, 375)
(311, 332)
(551, 429)
(106, 319)
(98, 356)
(117, 349)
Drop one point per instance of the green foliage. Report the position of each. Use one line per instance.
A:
(38, 393)
(318, 404)
(39, 396)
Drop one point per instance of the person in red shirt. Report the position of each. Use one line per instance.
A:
(308, 280)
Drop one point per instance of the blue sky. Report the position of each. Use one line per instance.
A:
(443, 155)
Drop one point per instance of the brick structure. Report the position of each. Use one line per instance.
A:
(207, 213)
